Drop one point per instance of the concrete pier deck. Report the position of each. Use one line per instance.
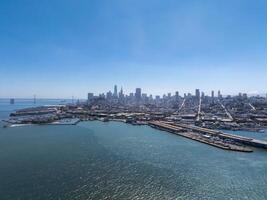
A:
(243, 140)
(197, 137)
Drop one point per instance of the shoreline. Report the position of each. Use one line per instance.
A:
(190, 135)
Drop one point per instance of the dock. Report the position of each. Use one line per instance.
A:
(206, 139)
(65, 122)
(240, 139)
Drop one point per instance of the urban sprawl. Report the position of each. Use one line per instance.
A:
(196, 116)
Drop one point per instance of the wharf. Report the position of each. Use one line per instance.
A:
(65, 122)
(14, 123)
(236, 138)
(197, 137)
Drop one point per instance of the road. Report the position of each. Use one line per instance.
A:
(252, 107)
(182, 105)
(199, 109)
(226, 111)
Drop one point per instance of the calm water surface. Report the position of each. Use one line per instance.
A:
(96, 160)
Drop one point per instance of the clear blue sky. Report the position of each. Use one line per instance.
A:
(60, 48)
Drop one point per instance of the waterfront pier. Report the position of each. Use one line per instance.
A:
(244, 140)
(213, 140)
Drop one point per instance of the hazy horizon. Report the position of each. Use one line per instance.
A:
(60, 49)
(127, 93)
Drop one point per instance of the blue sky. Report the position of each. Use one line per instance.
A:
(64, 48)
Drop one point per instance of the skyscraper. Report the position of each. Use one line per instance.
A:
(109, 95)
(90, 96)
(121, 94)
(115, 94)
(197, 93)
(138, 94)
(212, 96)
(176, 95)
(219, 94)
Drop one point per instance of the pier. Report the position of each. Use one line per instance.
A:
(241, 139)
(203, 138)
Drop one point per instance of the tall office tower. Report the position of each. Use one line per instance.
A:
(202, 94)
(169, 95)
(131, 96)
(176, 95)
(90, 96)
(138, 94)
(109, 95)
(145, 98)
(219, 94)
(197, 93)
(212, 94)
(115, 94)
(121, 94)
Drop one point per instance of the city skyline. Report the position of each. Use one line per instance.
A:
(116, 93)
(59, 49)
(197, 92)
(133, 99)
